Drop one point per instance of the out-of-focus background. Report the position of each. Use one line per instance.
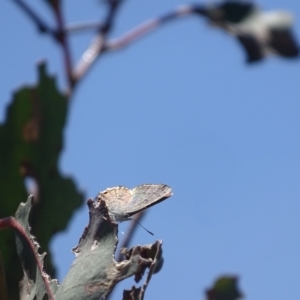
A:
(180, 107)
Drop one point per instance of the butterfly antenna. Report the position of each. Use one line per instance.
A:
(142, 226)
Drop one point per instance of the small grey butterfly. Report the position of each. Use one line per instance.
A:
(122, 202)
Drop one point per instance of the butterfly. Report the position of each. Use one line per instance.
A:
(122, 202)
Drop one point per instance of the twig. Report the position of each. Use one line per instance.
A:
(62, 37)
(97, 45)
(152, 269)
(127, 239)
(57, 34)
(11, 222)
(39, 22)
(130, 232)
(82, 26)
(144, 28)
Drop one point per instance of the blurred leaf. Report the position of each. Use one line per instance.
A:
(33, 139)
(3, 291)
(258, 32)
(35, 283)
(225, 288)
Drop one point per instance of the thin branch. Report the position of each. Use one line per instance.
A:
(39, 22)
(11, 222)
(148, 26)
(97, 45)
(82, 26)
(152, 269)
(94, 25)
(130, 232)
(127, 239)
(65, 45)
(58, 35)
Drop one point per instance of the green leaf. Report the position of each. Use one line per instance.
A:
(32, 135)
(36, 284)
(94, 273)
(3, 291)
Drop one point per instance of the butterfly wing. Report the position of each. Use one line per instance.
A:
(146, 195)
(283, 42)
(123, 202)
(116, 198)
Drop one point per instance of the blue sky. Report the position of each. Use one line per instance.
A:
(181, 107)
